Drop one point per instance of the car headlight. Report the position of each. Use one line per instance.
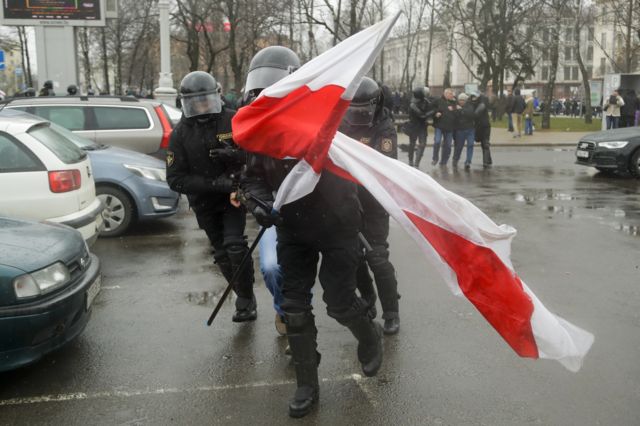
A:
(613, 144)
(40, 282)
(152, 173)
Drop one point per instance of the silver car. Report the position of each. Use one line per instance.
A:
(141, 125)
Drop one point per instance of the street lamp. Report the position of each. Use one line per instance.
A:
(165, 91)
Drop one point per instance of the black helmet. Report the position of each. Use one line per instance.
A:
(365, 104)
(269, 65)
(72, 90)
(199, 94)
(418, 92)
(48, 84)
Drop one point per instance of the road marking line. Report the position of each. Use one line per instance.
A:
(79, 396)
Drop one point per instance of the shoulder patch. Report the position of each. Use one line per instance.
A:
(386, 145)
(170, 158)
(224, 136)
(365, 141)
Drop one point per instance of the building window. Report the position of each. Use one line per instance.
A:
(545, 54)
(574, 73)
(603, 66)
(567, 53)
(590, 53)
(590, 34)
(567, 73)
(568, 34)
(589, 71)
(545, 73)
(603, 41)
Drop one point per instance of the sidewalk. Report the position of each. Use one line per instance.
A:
(501, 137)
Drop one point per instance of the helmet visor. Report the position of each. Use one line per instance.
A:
(359, 115)
(208, 103)
(263, 77)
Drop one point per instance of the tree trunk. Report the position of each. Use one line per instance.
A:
(105, 64)
(429, 49)
(553, 70)
(628, 50)
(86, 60)
(583, 70)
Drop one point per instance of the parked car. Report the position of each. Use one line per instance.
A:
(142, 125)
(132, 186)
(616, 150)
(44, 176)
(48, 281)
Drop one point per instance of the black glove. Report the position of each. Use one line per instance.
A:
(224, 184)
(228, 155)
(264, 218)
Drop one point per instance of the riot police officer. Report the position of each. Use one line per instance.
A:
(483, 126)
(419, 111)
(47, 89)
(72, 90)
(203, 164)
(323, 223)
(368, 121)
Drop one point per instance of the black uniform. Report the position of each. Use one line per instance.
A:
(483, 128)
(419, 111)
(383, 138)
(208, 182)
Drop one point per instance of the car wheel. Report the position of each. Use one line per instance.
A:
(118, 211)
(634, 165)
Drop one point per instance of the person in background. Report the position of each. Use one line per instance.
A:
(611, 107)
(47, 89)
(483, 126)
(444, 123)
(509, 110)
(528, 116)
(518, 110)
(464, 130)
(419, 110)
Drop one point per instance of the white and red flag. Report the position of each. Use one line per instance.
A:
(298, 117)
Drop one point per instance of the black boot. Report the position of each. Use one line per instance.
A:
(245, 310)
(419, 156)
(302, 332)
(369, 335)
(391, 323)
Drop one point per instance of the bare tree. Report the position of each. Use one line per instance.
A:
(583, 17)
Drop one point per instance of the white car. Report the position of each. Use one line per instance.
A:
(44, 176)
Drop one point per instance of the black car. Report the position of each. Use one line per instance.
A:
(611, 151)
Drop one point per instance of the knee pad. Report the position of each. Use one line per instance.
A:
(346, 316)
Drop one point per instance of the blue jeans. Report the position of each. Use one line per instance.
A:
(612, 122)
(270, 268)
(462, 136)
(439, 136)
(528, 126)
(510, 121)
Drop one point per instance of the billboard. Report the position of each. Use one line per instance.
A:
(52, 12)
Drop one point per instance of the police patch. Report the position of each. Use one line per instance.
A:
(386, 145)
(224, 136)
(170, 158)
(365, 141)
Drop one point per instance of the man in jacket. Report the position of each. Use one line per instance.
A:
(419, 111)
(518, 109)
(202, 164)
(444, 123)
(465, 129)
(611, 107)
(483, 126)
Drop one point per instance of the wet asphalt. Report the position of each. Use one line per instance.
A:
(147, 357)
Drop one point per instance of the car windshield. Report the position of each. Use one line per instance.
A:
(62, 147)
(79, 141)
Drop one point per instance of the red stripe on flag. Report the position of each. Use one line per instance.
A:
(301, 125)
(492, 287)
